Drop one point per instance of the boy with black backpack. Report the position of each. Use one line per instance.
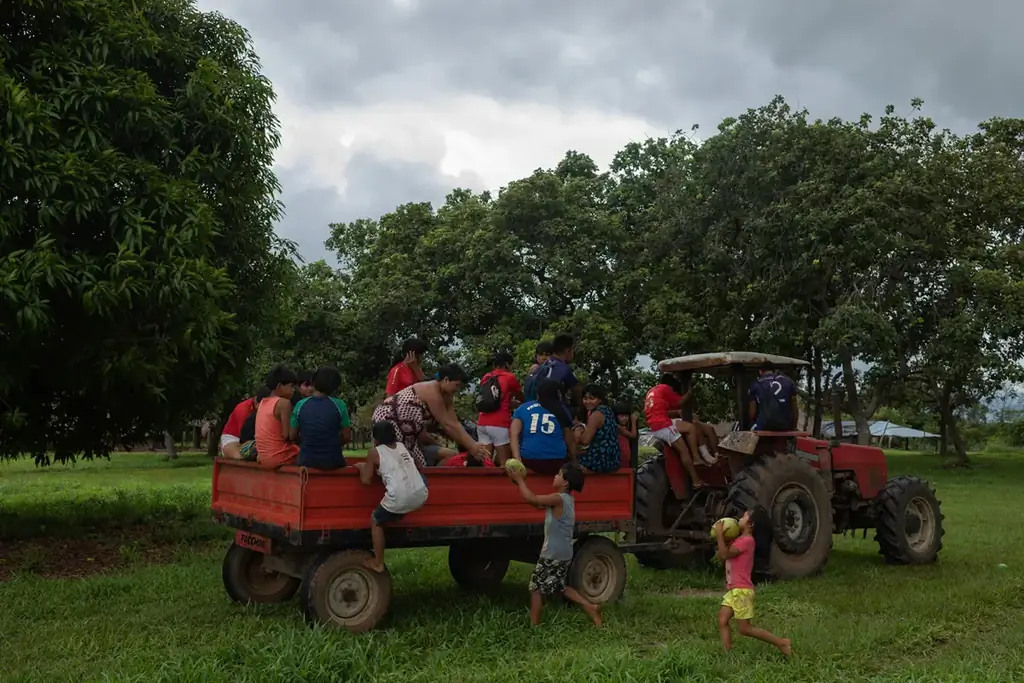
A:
(497, 395)
(773, 406)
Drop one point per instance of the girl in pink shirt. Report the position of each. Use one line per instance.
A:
(739, 597)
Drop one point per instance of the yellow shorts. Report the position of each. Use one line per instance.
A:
(741, 602)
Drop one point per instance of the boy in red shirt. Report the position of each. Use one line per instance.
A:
(662, 404)
(739, 597)
(492, 427)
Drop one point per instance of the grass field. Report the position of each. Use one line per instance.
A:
(959, 620)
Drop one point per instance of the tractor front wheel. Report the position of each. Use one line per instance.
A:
(788, 495)
(909, 527)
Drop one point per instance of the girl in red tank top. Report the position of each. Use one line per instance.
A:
(273, 418)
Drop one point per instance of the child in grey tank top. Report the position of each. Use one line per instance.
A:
(552, 570)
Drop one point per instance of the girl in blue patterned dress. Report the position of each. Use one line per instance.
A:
(600, 437)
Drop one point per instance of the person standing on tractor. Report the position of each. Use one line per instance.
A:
(738, 601)
(498, 394)
(773, 406)
(661, 405)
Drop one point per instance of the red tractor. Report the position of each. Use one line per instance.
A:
(801, 490)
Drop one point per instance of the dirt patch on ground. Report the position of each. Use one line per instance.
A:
(81, 557)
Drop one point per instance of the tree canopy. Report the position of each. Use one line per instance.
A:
(142, 285)
(884, 251)
(137, 255)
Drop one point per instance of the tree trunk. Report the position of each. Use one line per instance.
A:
(853, 403)
(170, 446)
(950, 428)
(816, 392)
(197, 437)
(943, 432)
(213, 439)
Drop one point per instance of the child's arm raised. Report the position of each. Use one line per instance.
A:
(368, 467)
(548, 500)
(725, 552)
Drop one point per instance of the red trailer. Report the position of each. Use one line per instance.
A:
(310, 529)
(306, 528)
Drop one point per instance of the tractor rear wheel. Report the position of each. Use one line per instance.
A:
(786, 493)
(656, 510)
(909, 527)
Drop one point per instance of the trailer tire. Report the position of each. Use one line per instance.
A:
(246, 582)
(598, 570)
(477, 566)
(341, 591)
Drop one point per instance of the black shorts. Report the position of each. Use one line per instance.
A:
(382, 516)
(549, 576)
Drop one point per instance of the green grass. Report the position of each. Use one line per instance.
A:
(958, 620)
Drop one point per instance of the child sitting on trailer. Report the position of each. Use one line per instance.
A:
(405, 487)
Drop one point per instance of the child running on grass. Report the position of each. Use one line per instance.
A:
(405, 488)
(739, 597)
(552, 570)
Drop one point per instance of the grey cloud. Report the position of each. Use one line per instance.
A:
(374, 188)
(962, 58)
(717, 58)
(672, 63)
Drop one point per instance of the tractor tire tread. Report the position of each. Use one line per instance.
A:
(888, 533)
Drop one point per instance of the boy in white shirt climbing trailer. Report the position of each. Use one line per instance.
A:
(405, 487)
(552, 570)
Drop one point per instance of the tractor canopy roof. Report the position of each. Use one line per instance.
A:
(726, 361)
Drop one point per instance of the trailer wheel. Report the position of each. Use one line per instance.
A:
(341, 591)
(598, 570)
(477, 566)
(246, 581)
(909, 528)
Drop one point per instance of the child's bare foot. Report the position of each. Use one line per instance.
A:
(786, 647)
(594, 611)
(373, 565)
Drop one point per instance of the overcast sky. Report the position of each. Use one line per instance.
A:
(389, 101)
